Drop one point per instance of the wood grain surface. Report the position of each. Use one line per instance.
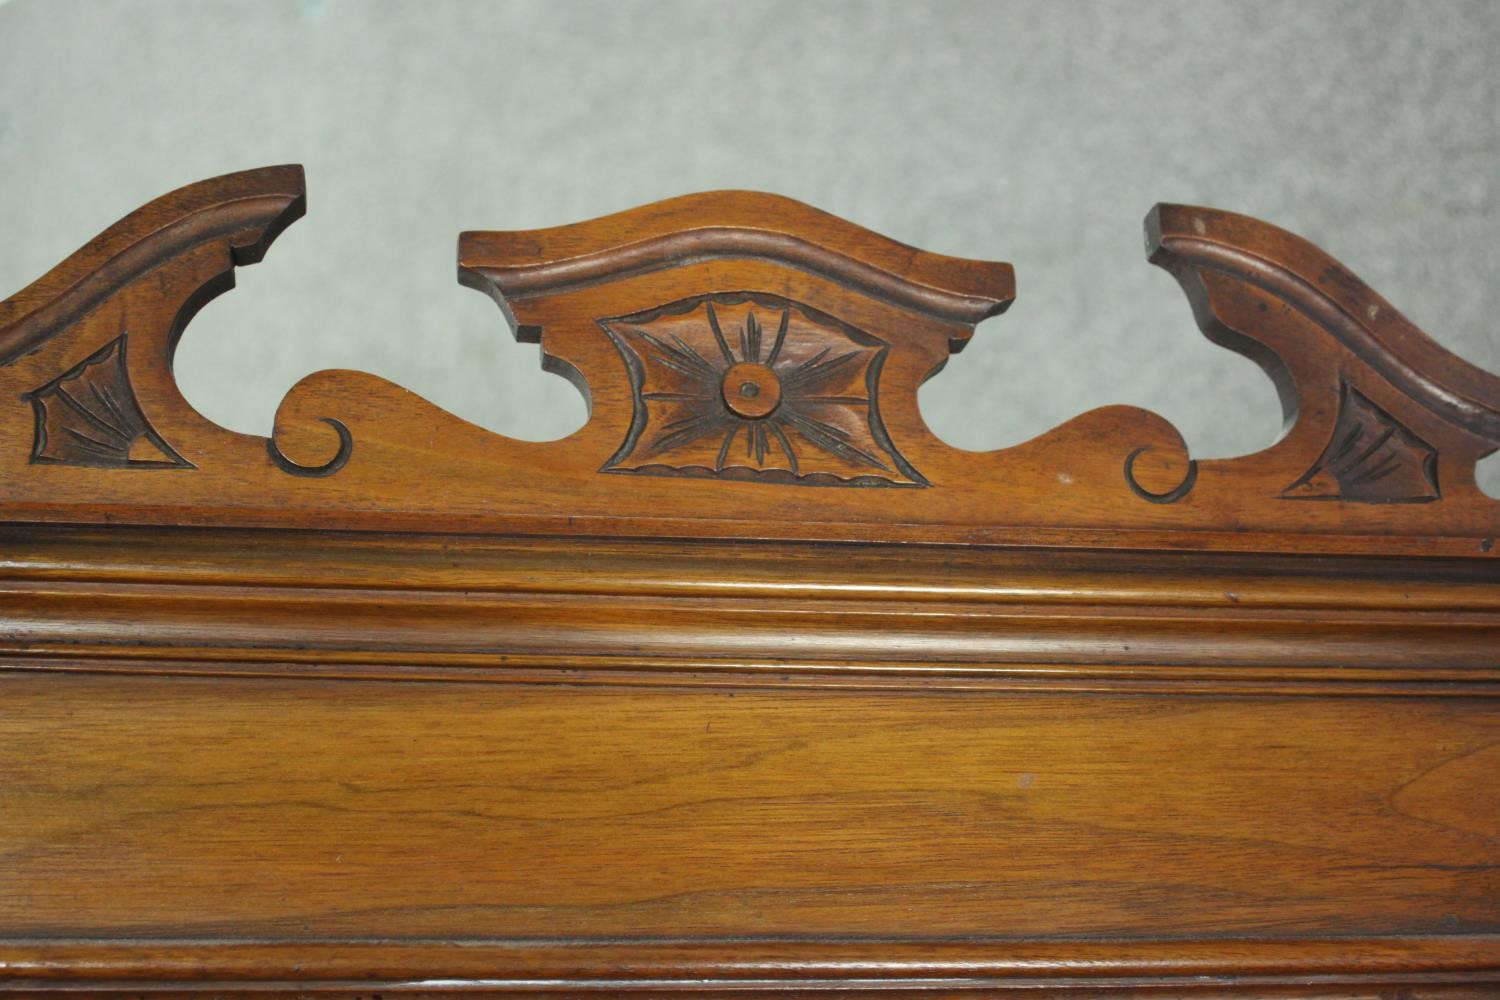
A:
(665, 317)
(751, 685)
(307, 809)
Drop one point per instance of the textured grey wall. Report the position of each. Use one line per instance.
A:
(1038, 133)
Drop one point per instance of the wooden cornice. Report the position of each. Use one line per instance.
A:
(734, 225)
(826, 331)
(767, 615)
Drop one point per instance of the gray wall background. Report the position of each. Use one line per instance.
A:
(1038, 133)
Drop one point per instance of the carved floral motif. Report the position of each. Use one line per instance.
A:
(754, 386)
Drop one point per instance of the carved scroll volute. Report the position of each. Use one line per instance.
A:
(741, 336)
(738, 348)
(1376, 411)
(89, 345)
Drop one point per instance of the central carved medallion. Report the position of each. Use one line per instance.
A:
(754, 386)
(752, 390)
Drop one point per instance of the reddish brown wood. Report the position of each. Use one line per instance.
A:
(752, 684)
(1385, 426)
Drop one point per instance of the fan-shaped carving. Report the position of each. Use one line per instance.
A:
(733, 345)
(1371, 458)
(89, 416)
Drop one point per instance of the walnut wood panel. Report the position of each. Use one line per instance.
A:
(750, 685)
(307, 810)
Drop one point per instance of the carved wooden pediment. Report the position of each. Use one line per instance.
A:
(731, 346)
(752, 684)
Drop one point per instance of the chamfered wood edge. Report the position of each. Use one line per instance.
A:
(585, 529)
(1265, 967)
(524, 264)
(250, 207)
(1433, 987)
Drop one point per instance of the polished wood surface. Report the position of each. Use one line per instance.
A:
(658, 314)
(267, 808)
(751, 685)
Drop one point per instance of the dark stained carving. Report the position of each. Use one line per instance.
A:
(754, 386)
(89, 416)
(1371, 458)
(734, 338)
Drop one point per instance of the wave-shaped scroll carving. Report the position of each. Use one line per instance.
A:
(1195, 244)
(733, 345)
(243, 212)
(159, 265)
(1374, 407)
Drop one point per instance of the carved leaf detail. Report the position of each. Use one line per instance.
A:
(754, 386)
(1371, 458)
(89, 416)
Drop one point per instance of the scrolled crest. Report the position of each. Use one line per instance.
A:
(734, 346)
